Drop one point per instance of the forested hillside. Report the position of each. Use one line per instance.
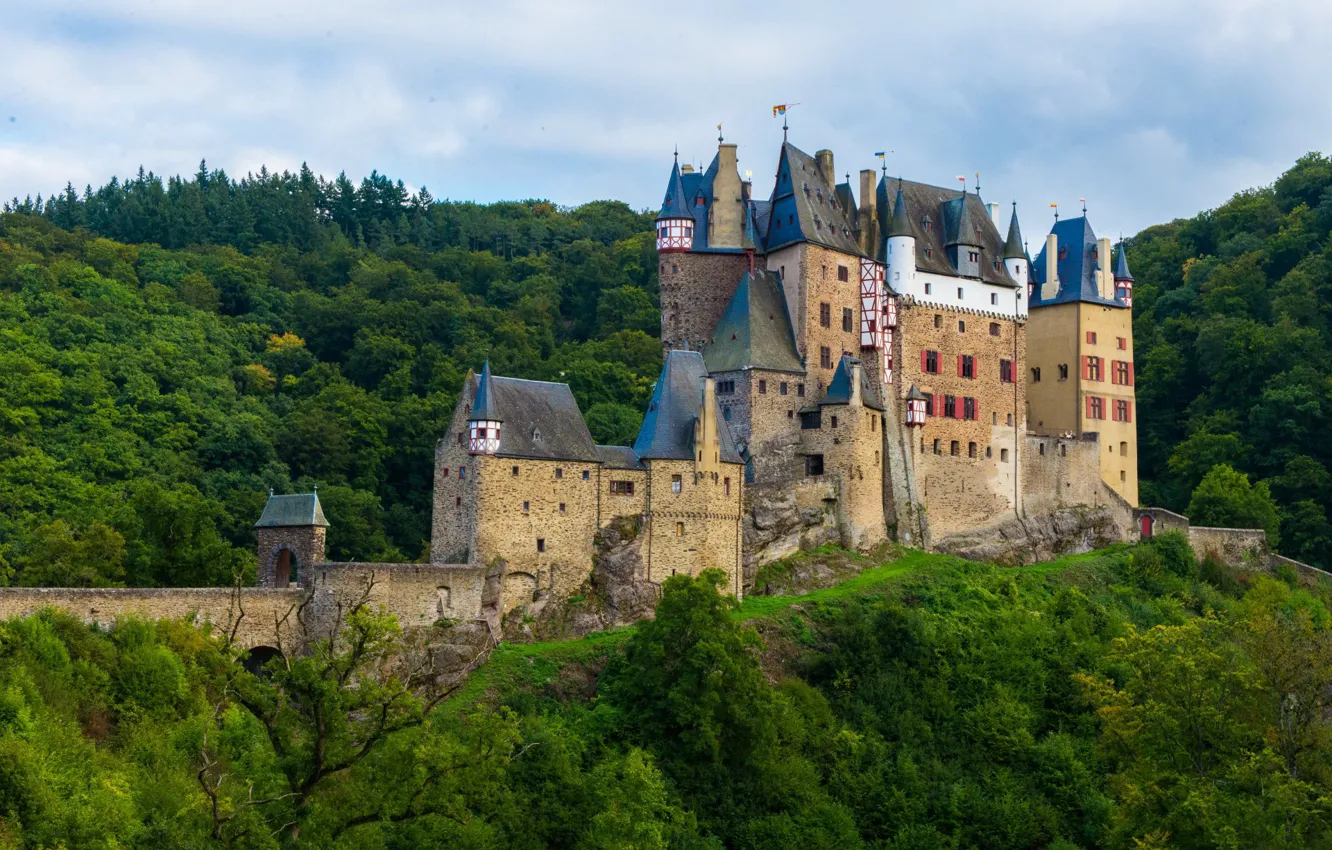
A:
(1233, 331)
(1119, 700)
(172, 349)
(171, 352)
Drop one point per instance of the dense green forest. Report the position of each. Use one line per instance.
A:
(1129, 699)
(172, 352)
(172, 349)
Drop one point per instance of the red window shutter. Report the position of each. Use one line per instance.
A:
(1089, 410)
(1100, 368)
(959, 365)
(938, 402)
(1114, 371)
(924, 360)
(1130, 373)
(1128, 412)
(1086, 367)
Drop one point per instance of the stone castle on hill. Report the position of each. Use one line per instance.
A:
(837, 370)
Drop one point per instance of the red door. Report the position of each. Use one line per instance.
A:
(1146, 526)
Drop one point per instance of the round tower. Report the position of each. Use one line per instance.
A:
(675, 223)
(484, 423)
(900, 257)
(1123, 278)
(1015, 255)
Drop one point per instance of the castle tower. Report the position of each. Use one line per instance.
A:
(675, 224)
(290, 538)
(1123, 278)
(900, 256)
(1015, 254)
(484, 423)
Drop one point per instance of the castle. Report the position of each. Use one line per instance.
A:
(836, 370)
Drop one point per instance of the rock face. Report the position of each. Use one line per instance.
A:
(1031, 539)
(783, 521)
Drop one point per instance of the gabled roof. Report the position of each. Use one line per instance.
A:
(1121, 264)
(805, 208)
(541, 419)
(1013, 247)
(923, 200)
(839, 389)
(668, 428)
(755, 330)
(1075, 266)
(295, 511)
(676, 202)
(618, 457)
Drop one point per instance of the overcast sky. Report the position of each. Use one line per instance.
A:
(1152, 109)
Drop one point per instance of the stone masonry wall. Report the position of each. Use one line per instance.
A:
(763, 415)
(851, 443)
(539, 520)
(961, 491)
(453, 521)
(614, 505)
(696, 528)
(819, 284)
(263, 609)
(1228, 545)
(1060, 472)
(306, 544)
(418, 594)
(695, 289)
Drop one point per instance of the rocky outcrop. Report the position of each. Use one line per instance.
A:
(1028, 540)
(782, 521)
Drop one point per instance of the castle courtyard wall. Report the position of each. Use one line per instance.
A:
(697, 528)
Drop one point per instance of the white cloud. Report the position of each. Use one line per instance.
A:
(1151, 108)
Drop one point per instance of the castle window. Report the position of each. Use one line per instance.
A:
(950, 407)
(842, 274)
(961, 326)
(954, 448)
(800, 390)
(675, 269)
(781, 388)
(959, 293)
(790, 414)
(446, 472)
(966, 366)
(457, 501)
(813, 465)
(929, 287)
(929, 404)
(938, 320)
(971, 450)
(973, 256)
(825, 315)
(994, 296)
(1042, 449)
(968, 408)
(725, 387)
(527, 507)
(562, 508)
(763, 387)
(1003, 455)
(825, 357)
(1006, 371)
(994, 329)
(462, 472)
(677, 484)
(1063, 371)
(1091, 337)
(937, 449)
(847, 319)
(622, 488)
(1095, 407)
(1035, 374)
(587, 475)
(874, 423)
(515, 472)
(726, 413)
(834, 421)
(989, 452)
(1123, 476)
(1121, 343)
(929, 362)
(726, 486)
(929, 253)
(1063, 451)
(679, 529)
(559, 473)
(1009, 421)
(811, 420)
(460, 438)
(994, 418)
(1122, 411)
(1091, 368)
(1122, 374)
(541, 544)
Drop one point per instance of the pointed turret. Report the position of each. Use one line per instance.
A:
(1123, 277)
(1013, 249)
(900, 224)
(900, 254)
(484, 422)
(675, 223)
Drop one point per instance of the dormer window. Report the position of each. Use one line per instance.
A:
(536, 434)
(925, 223)
(698, 202)
(1063, 253)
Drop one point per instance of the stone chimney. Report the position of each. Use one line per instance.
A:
(856, 400)
(994, 213)
(725, 219)
(1050, 288)
(825, 161)
(1105, 278)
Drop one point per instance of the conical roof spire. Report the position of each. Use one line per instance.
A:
(1013, 249)
(483, 406)
(900, 225)
(675, 204)
(1121, 264)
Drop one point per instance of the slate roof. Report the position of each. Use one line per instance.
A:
(292, 511)
(914, 394)
(1121, 264)
(805, 208)
(676, 202)
(924, 200)
(755, 330)
(958, 223)
(839, 389)
(1013, 247)
(1076, 267)
(483, 404)
(618, 457)
(899, 223)
(541, 419)
(668, 427)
